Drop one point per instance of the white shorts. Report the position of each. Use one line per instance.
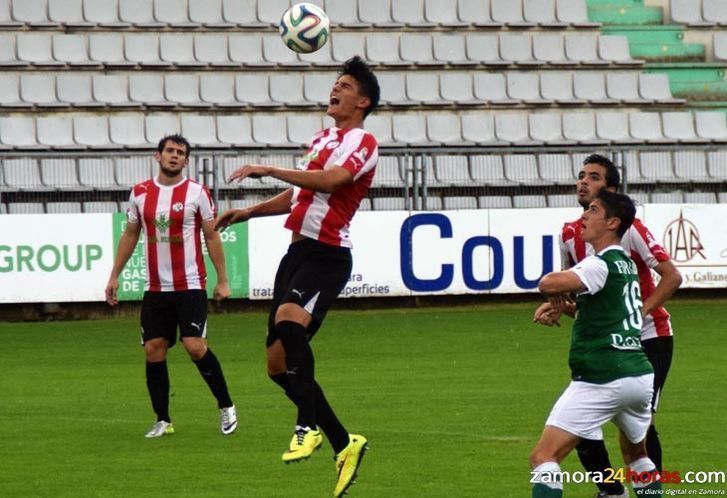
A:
(584, 408)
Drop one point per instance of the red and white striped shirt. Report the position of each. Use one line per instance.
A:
(326, 217)
(646, 253)
(171, 218)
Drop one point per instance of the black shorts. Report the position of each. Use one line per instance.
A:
(659, 351)
(163, 312)
(311, 275)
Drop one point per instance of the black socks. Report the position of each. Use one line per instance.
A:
(594, 457)
(211, 372)
(157, 382)
(300, 364)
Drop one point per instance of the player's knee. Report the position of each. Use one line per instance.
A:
(196, 349)
(291, 312)
(538, 457)
(155, 351)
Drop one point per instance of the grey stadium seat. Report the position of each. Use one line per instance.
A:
(380, 126)
(148, 88)
(700, 198)
(656, 87)
(624, 87)
(132, 170)
(377, 12)
(389, 204)
(581, 127)
(484, 49)
(443, 12)
(450, 171)
(561, 200)
(549, 48)
(10, 91)
(667, 197)
(212, 50)
(715, 11)
(646, 126)
(410, 129)
(542, 12)
(91, 131)
(522, 169)
(254, 89)
(476, 12)
(59, 173)
(526, 87)
(488, 170)
(25, 208)
(168, 12)
(558, 86)
(287, 89)
(179, 50)
(235, 130)
(71, 49)
(62, 207)
(208, 13)
(574, 12)
(656, 166)
(383, 48)
(457, 87)
(688, 12)
(583, 49)
(56, 132)
(301, 128)
(509, 13)
(513, 128)
(144, 49)
(388, 172)
(615, 49)
(547, 127)
(270, 130)
(691, 165)
(100, 207)
(459, 202)
(112, 90)
(423, 87)
(218, 89)
(103, 13)
(417, 48)
(22, 174)
(517, 49)
(344, 13)
(108, 48)
(430, 202)
(445, 129)
(68, 12)
(556, 168)
(184, 89)
(128, 131)
(157, 126)
(492, 88)
(138, 12)
(76, 89)
(241, 12)
(317, 87)
(16, 131)
(680, 126)
(712, 125)
(39, 88)
(591, 86)
(97, 173)
(614, 126)
(720, 46)
(32, 12)
(200, 130)
(270, 11)
(247, 49)
(36, 48)
(480, 129)
(528, 201)
(494, 201)
(451, 48)
(410, 13)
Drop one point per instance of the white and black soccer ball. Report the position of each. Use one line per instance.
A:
(304, 28)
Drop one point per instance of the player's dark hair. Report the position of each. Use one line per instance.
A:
(613, 178)
(618, 206)
(368, 85)
(177, 139)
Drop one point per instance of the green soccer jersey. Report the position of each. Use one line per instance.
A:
(606, 344)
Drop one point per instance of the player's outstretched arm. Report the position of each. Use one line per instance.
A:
(670, 281)
(127, 244)
(546, 314)
(217, 256)
(280, 204)
(328, 180)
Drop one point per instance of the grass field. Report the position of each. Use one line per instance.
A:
(451, 399)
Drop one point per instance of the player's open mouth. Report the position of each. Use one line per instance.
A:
(334, 101)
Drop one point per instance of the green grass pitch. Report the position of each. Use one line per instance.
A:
(451, 399)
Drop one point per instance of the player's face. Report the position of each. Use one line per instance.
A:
(594, 221)
(345, 99)
(591, 179)
(172, 159)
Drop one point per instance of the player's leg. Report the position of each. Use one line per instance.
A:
(192, 316)
(659, 351)
(158, 335)
(633, 423)
(554, 445)
(594, 457)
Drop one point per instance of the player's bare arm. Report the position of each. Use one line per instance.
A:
(557, 287)
(127, 244)
(217, 256)
(280, 204)
(670, 281)
(327, 181)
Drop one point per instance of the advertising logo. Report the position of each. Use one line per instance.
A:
(682, 241)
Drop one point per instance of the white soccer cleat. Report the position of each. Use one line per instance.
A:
(228, 420)
(159, 429)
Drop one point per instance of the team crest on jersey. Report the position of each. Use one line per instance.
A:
(305, 160)
(177, 207)
(332, 144)
(162, 223)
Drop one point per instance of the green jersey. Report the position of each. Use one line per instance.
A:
(606, 344)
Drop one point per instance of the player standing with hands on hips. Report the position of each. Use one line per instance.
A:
(329, 184)
(172, 210)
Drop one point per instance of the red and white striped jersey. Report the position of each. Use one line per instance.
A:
(326, 217)
(643, 249)
(171, 218)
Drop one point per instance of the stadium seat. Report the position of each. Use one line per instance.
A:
(269, 11)
(583, 49)
(241, 13)
(509, 13)
(614, 126)
(138, 12)
(18, 132)
(301, 128)
(254, 89)
(448, 171)
(561, 200)
(581, 127)
(200, 130)
(22, 174)
(36, 48)
(91, 131)
(410, 129)
(212, 50)
(423, 86)
(68, 12)
(656, 166)
(410, 13)
(556, 86)
(715, 11)
(667, 197)
(100, 207)
(346, 45)
(639, 198)
(522, 169)
(488, 170)
(10, 92)
(32, 13)
(492, 88)
(132, 170)
(445, 129)
(549, 48)
(542, 12)
(320, 58)
(55, 132)
(691, 165)
(96, 173)
(112, 90)
(287, 89)
(656, 87)
(208, 13)
(430, 202)
(389, 204)
(416, 48)
(157, 126)
(451, 48)
(525, 87)
(688, 12)
(59, 173)
(277, 53)
(393, 89)
(270, 130)
(494, 201)
(76, 89)
(128, 131)
(380, 126)
(218, 89)
(479, 128)
(443, 13)
(247, 49)
(529, 201)
(344, 14)
(71, 49)
(711, 125)
(39, 89)
(62, 207)
(624, 87)
(516, 49)
(457, 87)
(615, 49)
(477, 13)
(679, 126)
(25, 208)
(459, 202)
(168, 12)
(720, 46)
(144, 49)
(484, 49)
(646, 126)
(148, 88)
(183, 89)
(574, 12)
(317, 87)
(591, 87)
(513, 128)
(383, 48)
(700, 198)
(388, 173)
(556, 168)
(178, 50)
(8, 56)
(103, 13)
(235, 130)
(377, 13)
(546, 127)
(108, 49)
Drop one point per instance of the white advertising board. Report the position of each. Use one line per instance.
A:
(54, 257)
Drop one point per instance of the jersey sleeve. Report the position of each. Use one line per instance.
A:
(132, 210)
(207, 208)
(358, 153)
(565, 261)
(643, 243)
(592, 272)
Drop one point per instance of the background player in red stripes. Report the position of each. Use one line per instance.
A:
(172, 210)
(329, 184)
(598, 172)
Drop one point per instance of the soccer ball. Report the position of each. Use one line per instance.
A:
(304, 28)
